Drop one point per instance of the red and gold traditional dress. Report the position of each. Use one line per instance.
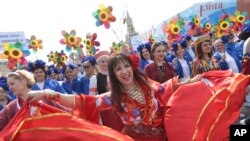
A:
(201, 66)
(143, 121)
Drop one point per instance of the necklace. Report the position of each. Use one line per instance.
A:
(137, 95)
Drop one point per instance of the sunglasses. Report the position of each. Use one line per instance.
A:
(86, 67)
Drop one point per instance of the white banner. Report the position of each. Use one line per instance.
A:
(11, 37)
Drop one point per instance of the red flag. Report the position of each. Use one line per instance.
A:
(54, 125)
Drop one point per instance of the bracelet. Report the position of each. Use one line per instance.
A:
(189, 81)
(51, 95)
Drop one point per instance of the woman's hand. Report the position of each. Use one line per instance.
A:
(196, 78)
(36, 95)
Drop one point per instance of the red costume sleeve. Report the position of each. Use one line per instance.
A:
(88, 107)
(222, 110)
(205, 110)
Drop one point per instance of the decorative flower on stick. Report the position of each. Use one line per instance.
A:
(58, 58)
(205, 27)
(173, 29)
(71, 41)
(223, 25)
(16, 55)
(116, 47)
(62, 58)
(238, 20)
(52, 57)
(194, 22)
(104, 16)
(90, 43)
(35, 44)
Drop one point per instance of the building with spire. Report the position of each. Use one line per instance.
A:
(130, 29)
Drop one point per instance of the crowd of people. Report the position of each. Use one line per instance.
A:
(126, 91)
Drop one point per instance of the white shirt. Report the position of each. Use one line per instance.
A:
(40, 85)
(93, 85)
(230, 62)
(185, 69)
(191, 52)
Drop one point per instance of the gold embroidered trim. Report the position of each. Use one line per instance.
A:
(226, 107)
(58, 128)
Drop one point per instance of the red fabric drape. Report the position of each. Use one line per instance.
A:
(206, 110)
(246, 67)
(51, 124)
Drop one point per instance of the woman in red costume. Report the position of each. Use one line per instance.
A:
(135, 98)
(160, 70)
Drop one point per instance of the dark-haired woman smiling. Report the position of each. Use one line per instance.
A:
(160, 70)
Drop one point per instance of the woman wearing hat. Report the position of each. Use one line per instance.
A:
(42, 82)
(71, 83)
(203, 61)
(145, 55)
(180, 63)
(4, 98)
(189, 51)
(53, 72)
(89, 81)
(102, 75)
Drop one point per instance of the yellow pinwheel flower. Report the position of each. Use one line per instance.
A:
(240, 18)
(175, 29)
(197, 21)
(103, 16)
(71, 40)
(224, 25)
(208, 26)
(63, 58)
(15, 53)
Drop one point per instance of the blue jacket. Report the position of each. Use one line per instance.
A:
(74, 87)
(179, 70)
(239, 49)
(230, 47)
(84, 82)
(143, 63)
(50, 84)
(187, 55)
(169, 57)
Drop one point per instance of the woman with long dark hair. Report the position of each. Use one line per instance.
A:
(203, 61)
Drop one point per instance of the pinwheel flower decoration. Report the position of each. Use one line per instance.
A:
(90, 43)
(174, 29)
(52, 57)
(71, 41)
(16, 55)
(35, 44)
(104, 16)
(223, 25)
(116, 47)
(62, 58)
(195, 22)
(206, 27)
(238, 20)
(58, 58)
